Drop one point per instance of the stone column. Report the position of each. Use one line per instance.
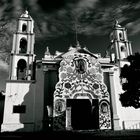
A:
(68, 118)
(50, 110)
(13, 68)
(113, 102)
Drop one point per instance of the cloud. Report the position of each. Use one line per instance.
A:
(92, 17)
(4, 66)
(55, 18)
(134, 27)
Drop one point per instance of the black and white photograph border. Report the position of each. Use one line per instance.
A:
(70, 69)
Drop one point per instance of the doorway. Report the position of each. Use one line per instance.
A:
(84, 113)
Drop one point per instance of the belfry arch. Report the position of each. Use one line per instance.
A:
(23, 45)
(24, 28)
(21, 69)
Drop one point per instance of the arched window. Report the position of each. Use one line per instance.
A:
(123, 52)
(24, 28)
(23, 46)
(121, 36)
(21, 69)
(104, 107)
(123, 49)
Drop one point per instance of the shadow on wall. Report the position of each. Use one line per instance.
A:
(26, 110)
(32, 108)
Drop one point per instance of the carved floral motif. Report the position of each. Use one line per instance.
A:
(81, 75)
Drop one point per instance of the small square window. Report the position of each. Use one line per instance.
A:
(19, 109)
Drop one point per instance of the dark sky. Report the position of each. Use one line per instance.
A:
(55, 22)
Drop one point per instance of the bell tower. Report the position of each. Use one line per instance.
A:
(120, 46)
(22, 54)
(20, 110)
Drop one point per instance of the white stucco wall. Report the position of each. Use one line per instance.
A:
(30, 94)
(18, 93)
(130, 115)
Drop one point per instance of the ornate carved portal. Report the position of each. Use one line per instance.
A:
(81, 89)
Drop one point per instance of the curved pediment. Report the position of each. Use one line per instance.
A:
(79, 50)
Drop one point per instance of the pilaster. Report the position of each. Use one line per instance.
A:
(113, 101)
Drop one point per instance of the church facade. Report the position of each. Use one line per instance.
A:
(76, 90)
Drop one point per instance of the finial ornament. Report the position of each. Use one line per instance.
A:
(47, 54)
(117, 23)
(47, 51)
(25, 14)
(78, 45)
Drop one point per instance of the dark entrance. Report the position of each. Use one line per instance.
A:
(21, 69)
(84, 114)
